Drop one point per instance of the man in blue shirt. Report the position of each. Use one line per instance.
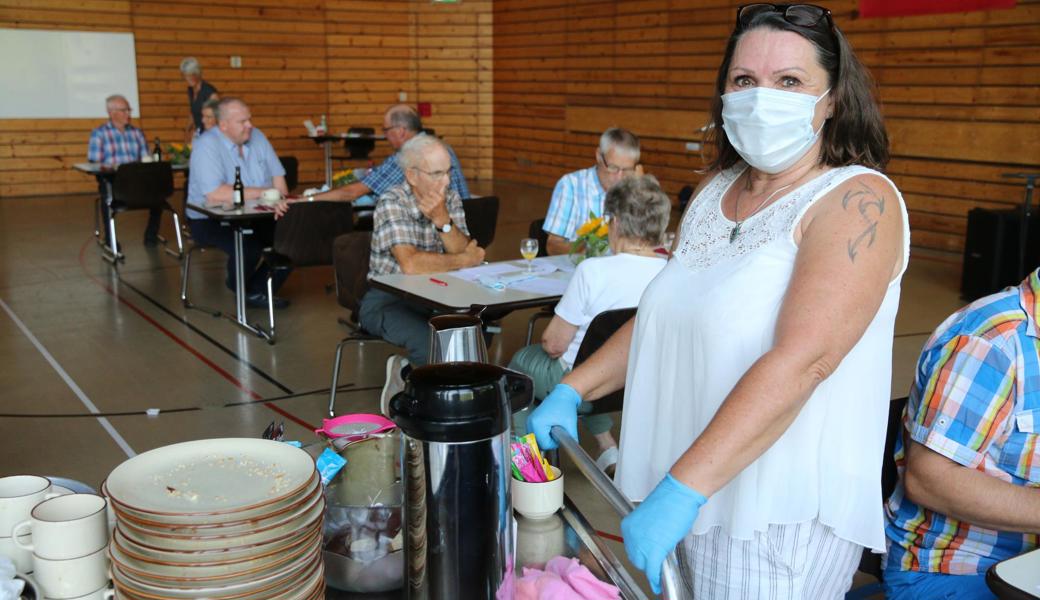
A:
(114, 143)
(583, 192)
(400, 124)
(234, 142)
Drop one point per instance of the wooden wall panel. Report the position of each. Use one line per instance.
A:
(960, 92)
(346, 59)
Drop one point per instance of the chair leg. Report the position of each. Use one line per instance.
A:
(97, 221)
(185, 269)
(180, 243)
(270, 304)
(335, 375)
(113, 242)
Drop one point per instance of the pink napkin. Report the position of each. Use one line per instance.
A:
(563, 579)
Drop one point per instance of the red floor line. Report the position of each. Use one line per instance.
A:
(180, 342)
(609, 536)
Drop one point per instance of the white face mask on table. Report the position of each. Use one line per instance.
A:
(770, 129)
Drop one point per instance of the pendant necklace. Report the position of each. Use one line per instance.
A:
(735, 231)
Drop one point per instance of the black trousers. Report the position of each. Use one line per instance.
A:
(207, 232)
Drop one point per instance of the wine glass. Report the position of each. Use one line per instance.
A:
(529, 250)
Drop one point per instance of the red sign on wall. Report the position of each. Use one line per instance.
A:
(904, 8)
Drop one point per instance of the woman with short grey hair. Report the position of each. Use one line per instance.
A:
(639, 212)
(199, 92)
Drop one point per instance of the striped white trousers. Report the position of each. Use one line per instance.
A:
(804, 561)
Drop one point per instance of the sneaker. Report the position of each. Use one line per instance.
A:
(607, 460)
(395, 373)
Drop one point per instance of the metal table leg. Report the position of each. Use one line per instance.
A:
(327, 146)
(111, 253)
(241, 318)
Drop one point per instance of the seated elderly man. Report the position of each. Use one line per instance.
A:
(234, 142)
(418, 227)
(114, 143)
(582, 192)
(969, 458)
(400, 124)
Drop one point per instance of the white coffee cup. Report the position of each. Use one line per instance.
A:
(72, 577)
(21, 557)
(105, 593)
(66, 527)
(538, 500)
(18, 495)
(270, 195)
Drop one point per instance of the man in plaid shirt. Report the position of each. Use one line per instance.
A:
(117, 142)
(419, 227)
(969, 459)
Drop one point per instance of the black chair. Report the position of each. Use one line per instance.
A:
(684, 197)
(304, 238)
(138, 186)
(534, 230)
(604, 325)
(292, 171)
(351, 254)
(481, 218)
(360, 142)
(869, 562)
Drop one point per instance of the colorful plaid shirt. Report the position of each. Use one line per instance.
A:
(110, 146)
(976, 401)
(398, 220)
(389, 174)
(575, 196)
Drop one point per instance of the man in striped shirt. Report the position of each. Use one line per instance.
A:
(969, 459)
(117, 142)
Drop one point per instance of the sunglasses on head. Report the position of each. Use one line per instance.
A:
(800, 15)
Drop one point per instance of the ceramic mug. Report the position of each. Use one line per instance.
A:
(105, 593)
(18, 495)
(538, 500)
(72, 577)
(270, 195)
(66, 527)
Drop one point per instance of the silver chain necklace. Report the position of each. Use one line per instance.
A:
(735, 231)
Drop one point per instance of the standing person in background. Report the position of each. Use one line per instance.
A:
(582, 192)
(758, 368)
(199, 91)
(114, 143)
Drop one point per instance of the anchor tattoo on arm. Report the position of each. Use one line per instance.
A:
(866, 202)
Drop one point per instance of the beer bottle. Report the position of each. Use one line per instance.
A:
(240, 190)
(157, 151)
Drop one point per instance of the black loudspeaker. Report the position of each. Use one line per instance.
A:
(991, 251)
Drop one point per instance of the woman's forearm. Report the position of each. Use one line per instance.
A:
(756, 413)
(604, 371)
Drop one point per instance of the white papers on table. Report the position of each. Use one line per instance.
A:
(547, 286)
(499, 269)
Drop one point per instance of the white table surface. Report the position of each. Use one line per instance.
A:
(1021, 572)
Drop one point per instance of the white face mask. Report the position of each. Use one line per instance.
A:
(770, 129)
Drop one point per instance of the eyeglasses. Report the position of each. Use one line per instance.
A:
(126, 110)
(800, 15)
(434, 174)
(387, 130)
(614, 169)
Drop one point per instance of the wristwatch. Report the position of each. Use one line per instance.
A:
(446, 228)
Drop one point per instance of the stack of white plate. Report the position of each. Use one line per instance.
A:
(231, 518)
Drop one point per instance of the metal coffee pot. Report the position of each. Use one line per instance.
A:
(458, 513)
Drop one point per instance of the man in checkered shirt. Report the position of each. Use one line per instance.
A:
(114, 143)
(419, 227)
(969, 458)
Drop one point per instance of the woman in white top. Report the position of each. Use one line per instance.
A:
(758, 366)
(639, 212)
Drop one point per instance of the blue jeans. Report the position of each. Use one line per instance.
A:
(914, 585)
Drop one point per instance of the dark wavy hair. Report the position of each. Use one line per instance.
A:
(855, 133)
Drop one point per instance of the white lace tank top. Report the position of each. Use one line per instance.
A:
(706, 318)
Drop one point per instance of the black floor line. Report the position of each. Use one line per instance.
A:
(255, 369)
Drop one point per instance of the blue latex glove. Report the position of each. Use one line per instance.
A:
(560, 407)
(653, 529)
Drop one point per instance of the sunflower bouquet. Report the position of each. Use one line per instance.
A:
(592, 236)
(343, 177)
(178, 153)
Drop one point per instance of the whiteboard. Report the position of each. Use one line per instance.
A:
(65, 74)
